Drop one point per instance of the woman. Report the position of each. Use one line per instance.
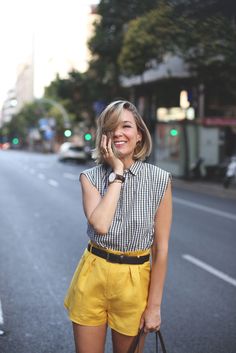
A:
(129, 210)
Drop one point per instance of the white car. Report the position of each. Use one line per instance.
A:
(71, 151)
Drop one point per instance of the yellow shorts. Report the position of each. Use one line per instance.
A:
(103, 292)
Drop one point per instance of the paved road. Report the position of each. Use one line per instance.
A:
(42, 235)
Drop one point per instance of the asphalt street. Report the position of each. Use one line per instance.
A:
(43, 234)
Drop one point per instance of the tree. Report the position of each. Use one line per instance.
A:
(198, 32)
(148, 39)
(23, 121)
(28, 118)
(107, 41)
(77, 93)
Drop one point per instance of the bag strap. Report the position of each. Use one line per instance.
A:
(158, 334)
(137, 340)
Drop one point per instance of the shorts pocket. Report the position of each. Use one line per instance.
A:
(84, 274)
(144, 273)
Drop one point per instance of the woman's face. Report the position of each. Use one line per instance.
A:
(126, 135)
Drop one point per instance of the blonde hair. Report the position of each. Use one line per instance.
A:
(109, 120)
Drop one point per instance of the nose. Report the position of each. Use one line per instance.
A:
(117, 132)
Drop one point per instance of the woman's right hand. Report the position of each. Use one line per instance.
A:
(109, 156)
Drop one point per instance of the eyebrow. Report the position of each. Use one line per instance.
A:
(127, 121)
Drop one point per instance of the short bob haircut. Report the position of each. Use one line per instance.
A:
(108, 121)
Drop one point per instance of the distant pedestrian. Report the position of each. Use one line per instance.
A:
(128, 205)
(230, 172)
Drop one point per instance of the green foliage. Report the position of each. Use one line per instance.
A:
(77, 93)
(197, 31)
(148, 39)
(21, 123)
(132, 36)
(210, 44)
(28, 118)
(107, 41)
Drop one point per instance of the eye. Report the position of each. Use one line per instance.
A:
(127, 125)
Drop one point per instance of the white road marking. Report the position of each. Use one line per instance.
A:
(210, 269)
(53, 183)
(41, 176)
(70, 176)
(205, 208)
(1, 314)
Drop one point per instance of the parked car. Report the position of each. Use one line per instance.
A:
(71, 151)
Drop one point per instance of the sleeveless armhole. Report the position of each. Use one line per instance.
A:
(90, 176)
(166, 178)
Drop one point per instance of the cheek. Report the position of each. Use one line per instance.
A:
(132, 135)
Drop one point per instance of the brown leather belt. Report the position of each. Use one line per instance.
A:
(118, 259)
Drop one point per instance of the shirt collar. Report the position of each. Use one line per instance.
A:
(135, 167)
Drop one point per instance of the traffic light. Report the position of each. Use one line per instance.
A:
(174, 132)
(67, 133)
(15, 141)
(88, 136)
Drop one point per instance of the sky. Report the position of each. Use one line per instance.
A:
(56, 27)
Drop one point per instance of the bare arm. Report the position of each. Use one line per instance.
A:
(151, 318)
(101, 210)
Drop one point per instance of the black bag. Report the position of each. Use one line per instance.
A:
(158, 337)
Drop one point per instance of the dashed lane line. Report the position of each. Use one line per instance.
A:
(210, 269)
(53, 183)
(1, 314)
(205, 208)
(1, 319)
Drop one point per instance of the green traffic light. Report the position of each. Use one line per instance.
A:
(15, 141)
(67, 133)
(174, 132)
(87, 137)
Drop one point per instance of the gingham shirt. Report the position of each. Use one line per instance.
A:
(132, 227)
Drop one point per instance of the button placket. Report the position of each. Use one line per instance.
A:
(129, 211)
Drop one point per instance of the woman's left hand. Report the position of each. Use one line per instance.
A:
(151, 320)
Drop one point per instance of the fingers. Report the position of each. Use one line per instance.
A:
(109, 148)
(151, 329)
(152, 326)
(104, 144)
(106, 148)
(148, 327)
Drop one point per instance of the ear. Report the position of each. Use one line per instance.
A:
(139, 137)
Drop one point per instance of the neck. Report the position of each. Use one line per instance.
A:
(127, 163)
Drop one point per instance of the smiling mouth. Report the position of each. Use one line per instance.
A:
(119, 143)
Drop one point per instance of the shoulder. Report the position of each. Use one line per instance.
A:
(94, 170)
(156, 171)
(94, 174)
(159, 180)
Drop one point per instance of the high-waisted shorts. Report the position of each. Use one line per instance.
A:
(103, 292)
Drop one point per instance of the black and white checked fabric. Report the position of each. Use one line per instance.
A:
(133, 224)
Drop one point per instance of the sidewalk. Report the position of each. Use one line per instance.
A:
(206, 187)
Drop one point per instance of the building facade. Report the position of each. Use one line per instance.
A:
(200, 129)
